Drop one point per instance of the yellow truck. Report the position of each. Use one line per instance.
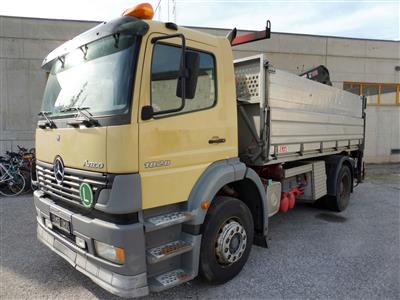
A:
(160, 158)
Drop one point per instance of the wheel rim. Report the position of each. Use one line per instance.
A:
(231, 242)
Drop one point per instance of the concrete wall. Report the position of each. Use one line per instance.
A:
(382, 134)
(24, 42)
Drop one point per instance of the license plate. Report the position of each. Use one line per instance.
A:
(60, 223)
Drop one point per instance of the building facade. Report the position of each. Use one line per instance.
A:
(362, 66)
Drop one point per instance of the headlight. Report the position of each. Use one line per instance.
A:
(110, 252)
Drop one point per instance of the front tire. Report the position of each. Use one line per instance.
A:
(14, 186)
(228, 233)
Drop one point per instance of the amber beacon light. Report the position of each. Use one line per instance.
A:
(141, 11)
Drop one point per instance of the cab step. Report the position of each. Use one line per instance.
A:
(168, 250)
(169, 279)
(166, 220)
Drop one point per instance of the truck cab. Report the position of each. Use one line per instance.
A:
(116, 84)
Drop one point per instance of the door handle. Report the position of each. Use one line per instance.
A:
(216, 140)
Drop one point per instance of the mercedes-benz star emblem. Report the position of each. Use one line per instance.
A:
(58, 169)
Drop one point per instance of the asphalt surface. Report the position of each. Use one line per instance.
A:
(313, 253)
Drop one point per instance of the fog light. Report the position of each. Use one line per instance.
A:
(80, 242)
(109, 252)
(48, 223)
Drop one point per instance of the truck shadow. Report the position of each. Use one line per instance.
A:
(329, 217)
(307, 210)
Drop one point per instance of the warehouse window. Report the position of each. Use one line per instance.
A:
(377, 93)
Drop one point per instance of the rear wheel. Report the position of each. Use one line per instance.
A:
(228, 233)
(340, 201)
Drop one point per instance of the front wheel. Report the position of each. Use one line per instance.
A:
(13, 186)
(228, 233)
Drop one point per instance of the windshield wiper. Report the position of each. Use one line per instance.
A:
(88, 120)
(73, 108)
(48, 123)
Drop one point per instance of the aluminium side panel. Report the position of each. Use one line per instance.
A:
(304, 118)
(307, 116)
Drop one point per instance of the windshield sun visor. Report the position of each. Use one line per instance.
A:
(124, 24)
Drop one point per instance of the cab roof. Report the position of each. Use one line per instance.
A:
(125, 24)
(191, 34)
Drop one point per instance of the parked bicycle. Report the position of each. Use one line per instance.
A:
(28, 166)
(14, 166)
(12, 183)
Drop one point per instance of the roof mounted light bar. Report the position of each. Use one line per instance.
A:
(249, 37)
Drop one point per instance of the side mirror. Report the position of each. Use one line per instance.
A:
(147, 112)
(192, 64)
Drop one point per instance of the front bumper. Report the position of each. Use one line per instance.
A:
(128, 280)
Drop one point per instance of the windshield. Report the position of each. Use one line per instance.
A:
(97, 77)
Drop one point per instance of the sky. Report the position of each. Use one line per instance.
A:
(348, 18)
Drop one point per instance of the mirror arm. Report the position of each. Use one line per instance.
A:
(170, 36)
(182, 72)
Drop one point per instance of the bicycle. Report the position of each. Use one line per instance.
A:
(27, 166)
(12, 183)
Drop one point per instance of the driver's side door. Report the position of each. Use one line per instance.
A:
(175, 148)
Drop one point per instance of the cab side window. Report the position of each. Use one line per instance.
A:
(164, 80)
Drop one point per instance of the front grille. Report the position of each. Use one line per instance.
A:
(68, 190)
